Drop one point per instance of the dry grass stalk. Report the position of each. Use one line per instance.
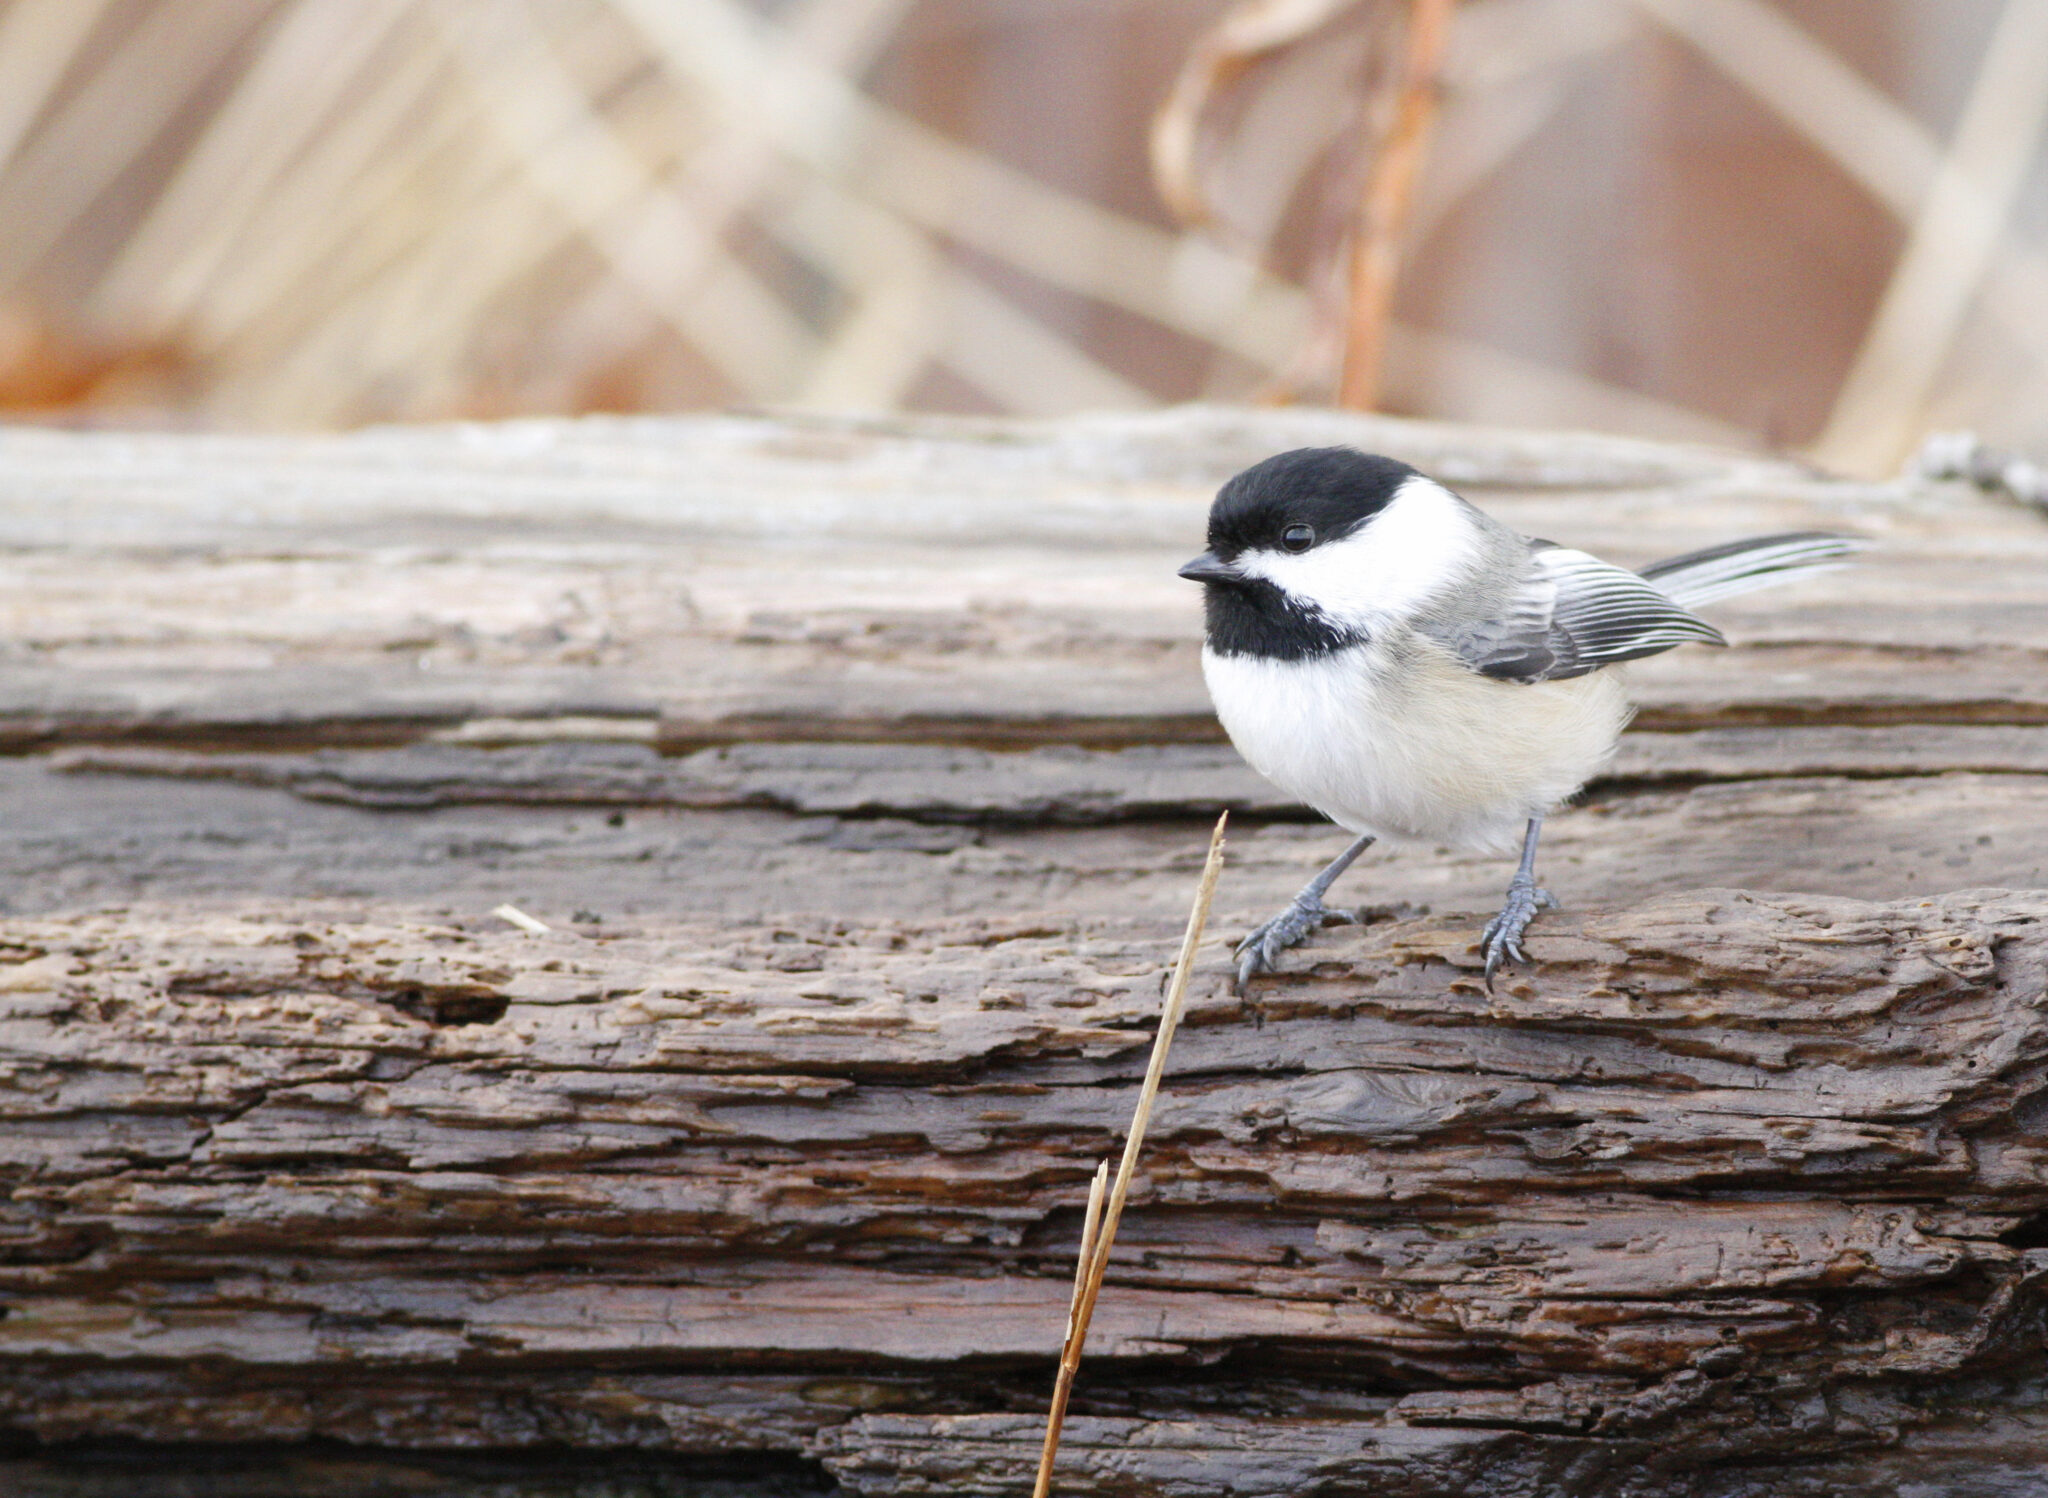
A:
(122, 109)
(1070, 1349)
(823, 123)
(1098, 1229)
(1383, 215)
(1248, 33)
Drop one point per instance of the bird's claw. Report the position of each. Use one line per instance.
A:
(1260, 951)
(1502, 937)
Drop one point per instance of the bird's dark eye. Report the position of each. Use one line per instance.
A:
(1298, 537)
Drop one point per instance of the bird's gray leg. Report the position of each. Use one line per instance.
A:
(1259, 951)
(1503, 934)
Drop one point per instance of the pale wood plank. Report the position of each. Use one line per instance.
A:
(967, 582)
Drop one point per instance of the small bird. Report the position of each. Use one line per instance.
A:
(1417, 671)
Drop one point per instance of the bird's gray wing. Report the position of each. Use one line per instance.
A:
(1569, 613)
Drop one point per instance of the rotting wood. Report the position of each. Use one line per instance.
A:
(302, 1143)
(1726, 1157)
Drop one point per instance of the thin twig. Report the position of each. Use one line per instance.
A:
(1070, 1349)
(1090, 1226)
(1098, 1230)
(1249, 32)
(1383, 215)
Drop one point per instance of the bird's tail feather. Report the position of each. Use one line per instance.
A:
(1761, 562)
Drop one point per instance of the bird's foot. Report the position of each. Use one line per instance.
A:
(1503, 935)
(1260, 951)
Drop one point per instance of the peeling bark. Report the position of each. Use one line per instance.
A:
(1721, 1155)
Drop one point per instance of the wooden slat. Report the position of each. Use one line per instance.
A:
(80, 842)
(948, 783)
(956, 582)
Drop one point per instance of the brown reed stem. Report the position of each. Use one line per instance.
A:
(1383, 213)
(1098, 1229)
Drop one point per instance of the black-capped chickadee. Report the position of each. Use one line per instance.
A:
(1415, 670)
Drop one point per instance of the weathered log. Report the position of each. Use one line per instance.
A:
(863, 768)
(1730, 1173)
(733, 580)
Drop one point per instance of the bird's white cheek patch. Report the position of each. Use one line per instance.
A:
(1385, 570)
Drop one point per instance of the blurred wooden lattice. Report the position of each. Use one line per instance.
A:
(1718, 219)
(1261, 141)
(386, 208)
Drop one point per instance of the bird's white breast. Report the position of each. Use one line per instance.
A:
(1397, 737)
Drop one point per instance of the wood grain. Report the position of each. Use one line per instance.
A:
(863, 770)
(954, 783)
(1720, 1141)
(731, 579)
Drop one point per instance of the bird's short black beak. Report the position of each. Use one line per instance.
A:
(1210, 568)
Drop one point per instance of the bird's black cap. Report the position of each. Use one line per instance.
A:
(1290, 502)
(1333, 490)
